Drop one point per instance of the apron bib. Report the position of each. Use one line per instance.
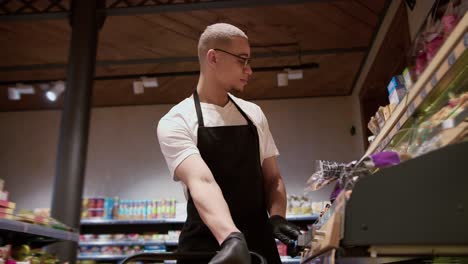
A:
(233, 156)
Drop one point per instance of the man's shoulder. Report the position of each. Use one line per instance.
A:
(179, 116)
(245, 104)
(250, 108)
(183, 109)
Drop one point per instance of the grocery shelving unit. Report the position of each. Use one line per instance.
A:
(102, 257)
(112, 226)
(447, 63)
(105, 226)
(127, 243)
(85, 222)
(368, 236)
(285, 260)
(17, 232)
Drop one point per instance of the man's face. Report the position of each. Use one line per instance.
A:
(233, 69)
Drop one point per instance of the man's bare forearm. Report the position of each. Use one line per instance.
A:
(276, 197)
(207, 196)
(212, 208)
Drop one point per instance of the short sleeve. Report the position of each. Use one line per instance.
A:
(267, 143)
(176, 143)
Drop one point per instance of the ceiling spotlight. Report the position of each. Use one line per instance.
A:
(14, 93)
(138, 87)
(57, 89)
(145, 82)
(289, 74)
(149, 82)
(282, 79)
(295, 74)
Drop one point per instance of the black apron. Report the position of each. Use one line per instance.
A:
(233, 155)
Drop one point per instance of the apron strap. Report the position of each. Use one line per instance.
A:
(242, 112)
(201, 123)
(198, 108)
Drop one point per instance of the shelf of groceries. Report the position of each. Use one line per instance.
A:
(24, 232)
(411, 102)
(284, 260)
(114, 211)
(17, 228)
(427, 111)
(37, 225)
(100, 221)
(107, 212)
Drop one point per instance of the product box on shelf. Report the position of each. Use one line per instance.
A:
(397, 95)
(373, 126)
(6, 207)
(395, 83)
(7, 204)
(396, 89)
(115, 208)
(408, 77)
(7, 210)
(4, 195)
(380, 117)
(299, 205)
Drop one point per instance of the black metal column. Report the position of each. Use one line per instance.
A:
(73, 141)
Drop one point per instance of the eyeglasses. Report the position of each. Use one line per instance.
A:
(246, 60)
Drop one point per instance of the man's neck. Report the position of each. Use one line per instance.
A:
(210, 93)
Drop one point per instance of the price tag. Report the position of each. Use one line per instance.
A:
(423, 93)
(434, 81)
(451, 58)
(465, 40)
(410, 110)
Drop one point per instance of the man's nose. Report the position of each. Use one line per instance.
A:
(248, 70)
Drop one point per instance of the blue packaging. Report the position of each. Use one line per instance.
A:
(108, 207)
(396, 82)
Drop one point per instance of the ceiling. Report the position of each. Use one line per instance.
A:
(162, 38)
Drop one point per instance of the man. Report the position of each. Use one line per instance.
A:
(221, 148)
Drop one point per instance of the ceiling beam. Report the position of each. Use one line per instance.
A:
(305, 66)
(165, 60)
(155, 7)
(201, 6)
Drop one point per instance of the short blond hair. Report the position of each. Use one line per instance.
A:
(218, 35)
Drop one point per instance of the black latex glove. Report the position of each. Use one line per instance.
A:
(286, 232)
(233, 251)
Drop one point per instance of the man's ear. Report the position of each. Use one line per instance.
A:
(211, 59)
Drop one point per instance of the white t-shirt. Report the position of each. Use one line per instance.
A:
(177, 130)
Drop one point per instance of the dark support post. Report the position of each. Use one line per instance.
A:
(85, 21)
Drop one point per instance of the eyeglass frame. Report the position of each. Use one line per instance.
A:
(247, 60)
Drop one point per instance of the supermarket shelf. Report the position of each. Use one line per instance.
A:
(131, 222)
(16, 230)
(290, 260)
(102, 257)
(127, 243)
(121, 257)
(451, 50)
(311, 218)
(173, 221)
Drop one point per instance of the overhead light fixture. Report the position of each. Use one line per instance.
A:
(145, 82)
(295, 74)
(282, 79)
(14, 93)
(288, 74)
(57, 89)
(149, 82)
(138, 87)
